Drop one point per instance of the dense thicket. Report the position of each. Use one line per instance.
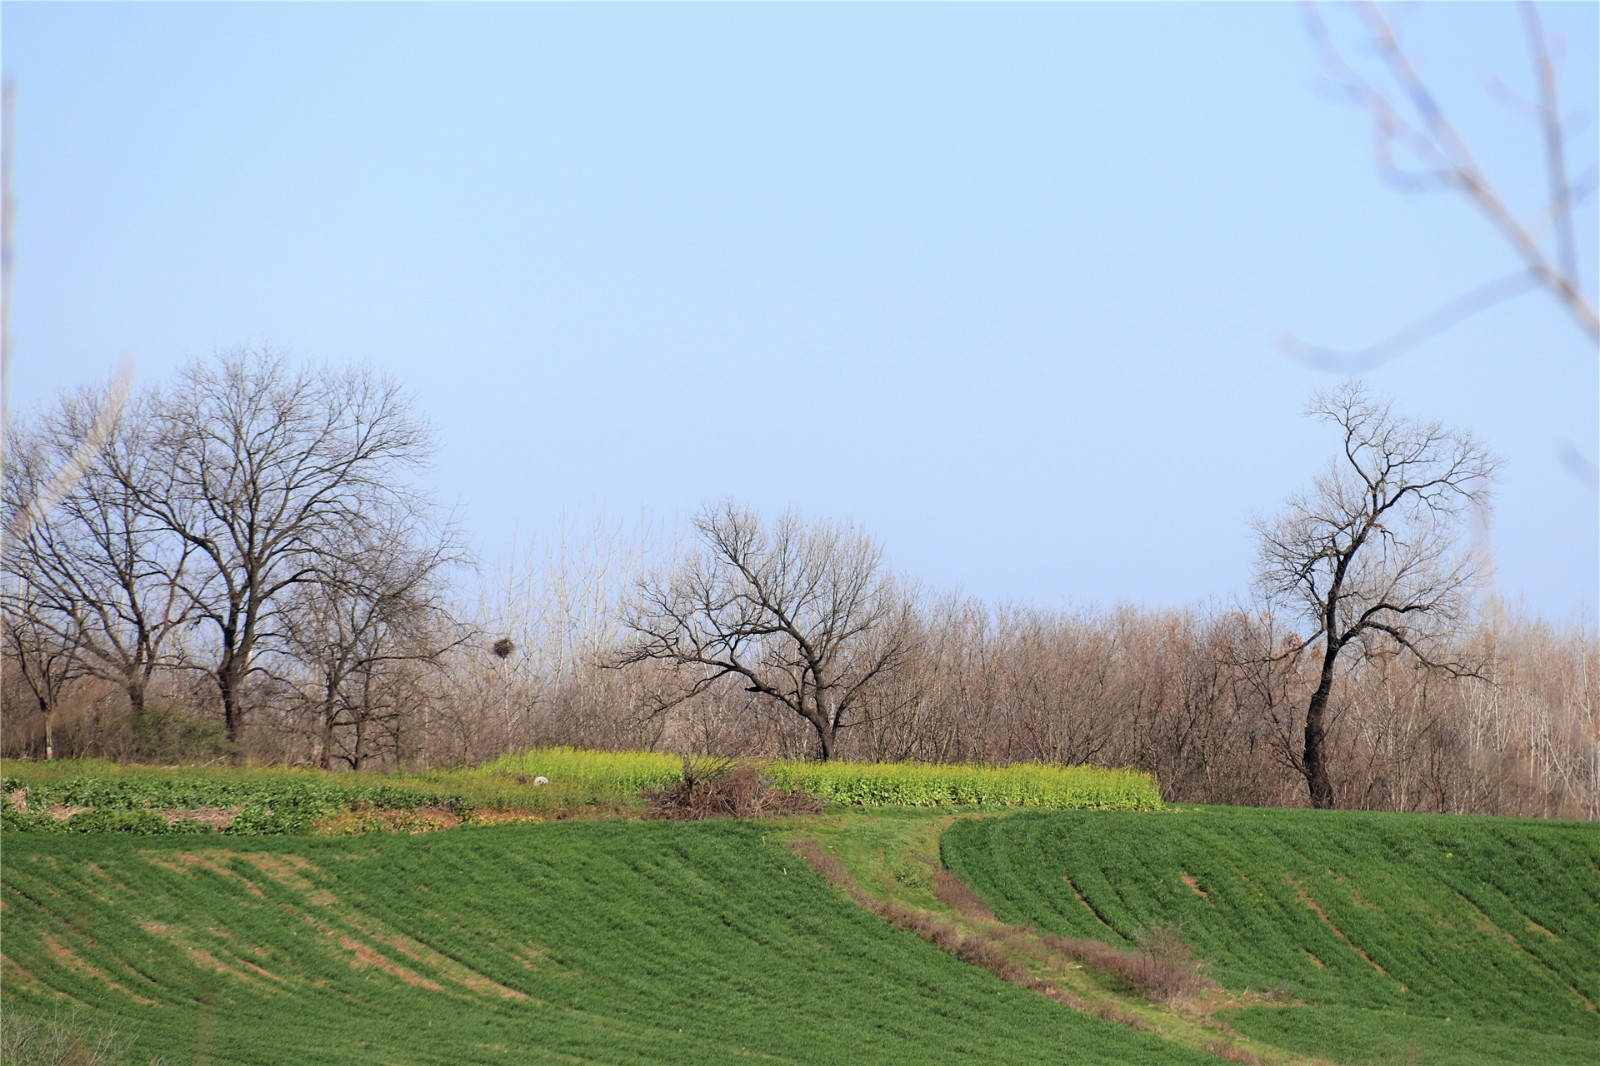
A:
(130, 633)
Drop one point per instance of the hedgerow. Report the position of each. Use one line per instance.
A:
(95, 796)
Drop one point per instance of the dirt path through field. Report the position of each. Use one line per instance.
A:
(890, 865)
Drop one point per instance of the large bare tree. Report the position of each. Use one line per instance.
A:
(806, 616)
(270, 472)
(1373, 557)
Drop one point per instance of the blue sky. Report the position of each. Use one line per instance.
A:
(1002, 284)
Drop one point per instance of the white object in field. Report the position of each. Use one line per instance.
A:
(541, 780)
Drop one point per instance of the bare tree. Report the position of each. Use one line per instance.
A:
(805, 616)
(1419, 149)
(1371, 557)
(39, 653)
(98, 572)
(269, 472)
(376, 606)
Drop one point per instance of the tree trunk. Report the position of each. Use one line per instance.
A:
(49, 730)
(330, 714)
(824, 730)
(1315, 763)
(230, 703)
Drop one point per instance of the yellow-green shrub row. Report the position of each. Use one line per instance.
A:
(941, 785)
(864, 784)
(626, 771)
(599, 780)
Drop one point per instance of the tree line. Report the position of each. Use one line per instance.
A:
(238, 565)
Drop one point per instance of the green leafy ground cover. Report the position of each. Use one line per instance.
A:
(259, 803)
(1387, 938)
(615, 942)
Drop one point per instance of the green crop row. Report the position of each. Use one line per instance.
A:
(258, 805)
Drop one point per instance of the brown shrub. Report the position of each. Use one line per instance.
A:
(991, 957)
(1162, 967)
(1167, 966)
(724, 788)
(827, 865)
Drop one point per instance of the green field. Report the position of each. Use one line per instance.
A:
(281, 938)
(1387, 938)
(614, 942)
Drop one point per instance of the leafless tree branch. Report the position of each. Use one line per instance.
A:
(1417, 148)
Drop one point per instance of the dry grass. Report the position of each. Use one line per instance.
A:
(959, 896)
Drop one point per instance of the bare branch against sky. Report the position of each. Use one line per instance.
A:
(1418, 148)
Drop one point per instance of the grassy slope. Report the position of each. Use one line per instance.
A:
(1405, 938)
(607, 942)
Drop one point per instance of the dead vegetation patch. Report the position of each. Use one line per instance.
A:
(363, 956)
(187, 861)
(725, 788)
(1224, 1050)
(286, 870)
(99, 872)
(213, 818)
(205, 960)
(1161, 968)
(397, 820)
(507, 817)
(960, 896)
